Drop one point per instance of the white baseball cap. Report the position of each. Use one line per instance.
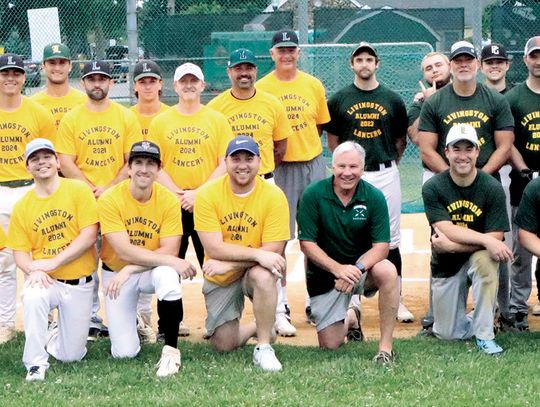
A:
(37, 145)
(188, 68)
(461, 132)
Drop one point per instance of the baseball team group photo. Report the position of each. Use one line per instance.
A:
(253, 246)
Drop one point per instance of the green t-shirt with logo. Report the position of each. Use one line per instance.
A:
(374, 119)
(528, 214)
(480, 207)
(485, 110)
(343, 232)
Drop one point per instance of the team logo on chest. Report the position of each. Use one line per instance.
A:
(360, 212)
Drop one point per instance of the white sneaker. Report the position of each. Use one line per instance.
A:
(183, 329)
(536, 309)
(7, 333)
(145, 331)
(35, 373)
(283, 325)
(265, 358)
(170, 361)
(403, 314)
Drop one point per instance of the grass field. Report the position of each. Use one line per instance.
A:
(428, 372)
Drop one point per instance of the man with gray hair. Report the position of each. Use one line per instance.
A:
(344, 232)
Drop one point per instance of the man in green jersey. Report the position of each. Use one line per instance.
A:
(466, 209)
(524, 101)
(344, 232)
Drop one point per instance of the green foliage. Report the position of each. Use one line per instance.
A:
(428, 372)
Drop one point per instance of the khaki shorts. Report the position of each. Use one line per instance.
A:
(224, 304)
(331, 307)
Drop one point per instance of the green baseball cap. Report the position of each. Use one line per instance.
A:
(242, 56)
(56, 50)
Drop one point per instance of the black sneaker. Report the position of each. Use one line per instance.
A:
(160, 338)
(356, 334)
(309, 316)
(93, 334)
(522, 321)
(384, 358)
(506, 324)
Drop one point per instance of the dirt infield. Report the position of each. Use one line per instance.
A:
(415, 253)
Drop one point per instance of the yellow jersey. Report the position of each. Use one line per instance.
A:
(145, 120)
(59, 106)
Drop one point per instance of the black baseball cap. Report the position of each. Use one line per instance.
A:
(493, 51)
(96, 67)
(462, 48)
(146, 68)
(11, 61)
(364, 46)
(145, 149)
(285, 39)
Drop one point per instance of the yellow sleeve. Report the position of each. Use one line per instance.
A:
(110, 217)
(47, 126)
(133, 130)
(282, 125)
(17, 237)
(172, 217)
(205, 215)
(65, 142)
(323, 115)
(88, 213)
(226, 135)
(2, 238)
(276, 224)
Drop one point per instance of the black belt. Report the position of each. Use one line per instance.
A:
(105, 267)
(377, 167)
(76, 281)
(17, 183)
(268, 175)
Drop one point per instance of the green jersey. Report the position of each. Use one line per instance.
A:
(414, 112)
(485, 110)
(374, 119)
(343, 232)
(525, 106)
(480, 207)
(528, 214)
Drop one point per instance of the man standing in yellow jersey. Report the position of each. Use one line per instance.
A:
(243, 224)
(58, 97)
(52, 233)
(304, 99)
(21, 120)
(193, 139)
(252, 112)
(93, 143)
(148, 85)
(141, 233)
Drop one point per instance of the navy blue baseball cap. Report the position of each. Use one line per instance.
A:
(242, 143)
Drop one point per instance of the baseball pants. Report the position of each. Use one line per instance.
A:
(68, 342)
(8, 269)
(122, 311)
(520, 274)
(450, 300)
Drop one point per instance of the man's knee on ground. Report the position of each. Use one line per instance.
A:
(331, 337)
(126, 351)
(225, 337)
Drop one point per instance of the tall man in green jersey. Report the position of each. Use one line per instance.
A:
(466, 101)
(344, 231)
(466, 209)
(374, 116)
(524, 101)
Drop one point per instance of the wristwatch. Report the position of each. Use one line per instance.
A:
(360, 266)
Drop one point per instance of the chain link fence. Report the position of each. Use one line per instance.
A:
(205, 32)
